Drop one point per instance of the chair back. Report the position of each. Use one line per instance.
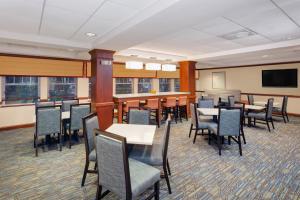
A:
(182, 100)
(131, 103)
(152, 103)
(164, 141)
(66, 104)
(44, 104)
(48, 120)
(194, 114)
(231, 101)
(205, 103)
(139, 117)
(90, 123)
(284, 104)
(171, 102)
(229, 123)
(77, 112)
(269, 110)
(112, 163)
(250, 99)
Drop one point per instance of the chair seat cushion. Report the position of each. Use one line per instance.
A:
(151, 155)
(92, 156)
(261, 116)
(213, 127)
(142, 177)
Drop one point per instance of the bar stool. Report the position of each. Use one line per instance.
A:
(153, 106)
(131, 103)
(182, 107)
(170, 107)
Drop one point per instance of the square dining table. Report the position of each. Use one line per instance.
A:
(134, 133)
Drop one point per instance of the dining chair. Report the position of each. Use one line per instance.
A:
(169, 107)
(48, 121)
(77, 112)
(264, 117)
(44, 103)
(66, 104)
(231, 101)
(250, 99)
(153, 106)
(228, 125)
(138, 116)
(241, 105)
(129, 104)
(125, 177)
(282, 111)
(182, 107)
(90, 123)
(197, 123)
(157, 154)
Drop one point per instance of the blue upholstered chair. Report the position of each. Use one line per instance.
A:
(44, 104)
(205, 103)
(231, 101)
(250, 99)
(90, 123)
(157, 154)
(282, 111)
(228, 125)
(197, 123)
(138, 116)
(264, 117)
(77, 112)
(66, 104)
(48, 121)
(127, 178)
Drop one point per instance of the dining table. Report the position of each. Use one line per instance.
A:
(134, 133)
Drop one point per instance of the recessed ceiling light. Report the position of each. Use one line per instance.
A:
(70, 49)
(133, 55)
(238, 34)
(89, 34)
(153, 58)
(265, 56)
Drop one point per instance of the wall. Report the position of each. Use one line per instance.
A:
(249, 80)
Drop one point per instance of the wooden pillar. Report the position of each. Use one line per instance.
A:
(187, 80)
(102, 86)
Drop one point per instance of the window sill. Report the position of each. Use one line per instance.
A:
(16, 105)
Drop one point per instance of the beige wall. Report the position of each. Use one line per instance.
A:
(248, 80)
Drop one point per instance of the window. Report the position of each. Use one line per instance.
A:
(177, 85)
(164, 85)
(124, 85)
(20, 89)
(144, 85)
(62, 88)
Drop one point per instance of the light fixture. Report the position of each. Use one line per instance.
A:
(168, 67)
(265, 56)
(89, 34)
(153, 66)
(134, 65)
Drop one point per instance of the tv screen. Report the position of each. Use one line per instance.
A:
(280, 78)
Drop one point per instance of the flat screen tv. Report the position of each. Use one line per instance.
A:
(280, 78)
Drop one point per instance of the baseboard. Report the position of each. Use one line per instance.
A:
(294, 114)
(6, 128)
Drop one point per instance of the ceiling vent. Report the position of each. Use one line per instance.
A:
(238, 34)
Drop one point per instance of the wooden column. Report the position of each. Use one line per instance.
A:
(187, 80)
(102, 86)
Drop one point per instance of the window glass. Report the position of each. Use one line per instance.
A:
(164, 85)
(62, 88)
(124, 85)
(144, 85)
(20, 89)
(177, 85)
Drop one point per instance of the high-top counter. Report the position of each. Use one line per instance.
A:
(121, 98)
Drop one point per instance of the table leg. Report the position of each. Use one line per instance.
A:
(120, 112)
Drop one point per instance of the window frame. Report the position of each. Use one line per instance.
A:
(3, 89)
(59, 98)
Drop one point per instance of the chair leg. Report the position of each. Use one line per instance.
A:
(167, 179)
(272, 123)
(287, 117)
(95, 166)
(240, 145)
(191, 130)
(84, 173)
(202, 131)
(229, 140)
(168, 166)
(196, 132)
(243, 135)
(99, 190)
(209, 137)
(283, 116)
(36, 146)
(186, 114)
(219, 144)
(254, 122)
(156, 190)
(157, 117)
(268, 126)
(60, 140)
(70, 139)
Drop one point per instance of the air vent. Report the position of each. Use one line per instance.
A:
(238, 34)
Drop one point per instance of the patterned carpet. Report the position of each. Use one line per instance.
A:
(268, 169)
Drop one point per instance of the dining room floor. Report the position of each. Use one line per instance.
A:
(268, 169)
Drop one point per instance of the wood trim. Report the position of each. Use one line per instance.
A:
(41, 57)
(103, 104)
(274, 95)
(6, 128)
(16, 105)
(252, 65)
(83, 98)
(294, 114)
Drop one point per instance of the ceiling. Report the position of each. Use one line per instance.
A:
(212, 32)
